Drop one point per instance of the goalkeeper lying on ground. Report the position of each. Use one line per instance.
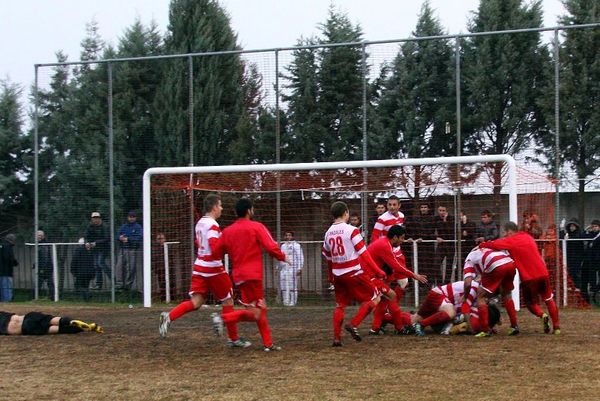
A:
(37, 323)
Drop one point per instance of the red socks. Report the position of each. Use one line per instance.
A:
(263, 328)
(362, 313)
(338, 320)
(181, 309)
(232, 331)
(509, 305)
(378, 314)
(535, 309)
(396, 315)
(553, 311)
(436, 318)
(240, 315)
(483, 317)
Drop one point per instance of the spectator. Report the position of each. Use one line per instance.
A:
(97, 240)
(130, 238)
(7, 262)
(289, 273)
(591, 259)
(531, 225)
(380, 208)
(422, 228)
(549, 247)
(82, 268)
(572, 233)
(355, 220)
(46, 268)
(37, 323)
(487, 229)
(444, 229)
(467, 232)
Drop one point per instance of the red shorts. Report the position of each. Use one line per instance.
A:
(219, 285)
(252, 293)
(381, 285)
(354, 287)
(539, 287)
(432, 304)
(502, 276)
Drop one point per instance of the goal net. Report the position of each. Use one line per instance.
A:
(297, 198)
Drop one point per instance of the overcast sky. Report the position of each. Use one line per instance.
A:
(33, 30)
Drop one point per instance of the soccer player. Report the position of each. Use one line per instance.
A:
(37, 323)
(392, 217)
(208, 275)
(350, 266)
(497, 271)
(243, 241)
(382, 252)
(535, 280)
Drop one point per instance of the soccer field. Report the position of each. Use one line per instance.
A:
(130, 362)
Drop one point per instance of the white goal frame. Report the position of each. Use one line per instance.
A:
(252, 168)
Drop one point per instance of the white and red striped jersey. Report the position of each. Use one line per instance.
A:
(207, 231)
(342, 246)
(484, 260)
(383, 224)
(454, 294)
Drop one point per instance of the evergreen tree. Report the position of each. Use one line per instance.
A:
(503, 79)
(418, 99)
(340, 80)
(134, 90)
(218, 103)
(13, 206)
(303, 139)
(579, 98)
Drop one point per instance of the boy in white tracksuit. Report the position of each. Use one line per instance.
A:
(289, 273)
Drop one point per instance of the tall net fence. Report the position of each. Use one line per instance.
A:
(101, 124)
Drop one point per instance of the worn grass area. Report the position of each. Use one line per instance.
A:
(130, 362)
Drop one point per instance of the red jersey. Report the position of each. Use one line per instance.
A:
(243, 241)
(383, 224)
(207, 237)
(382, 253)
(524, 252)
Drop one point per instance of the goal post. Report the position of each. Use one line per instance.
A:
(362, 173)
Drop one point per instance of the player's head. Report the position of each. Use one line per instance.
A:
(486, 217)
(393, 204)
(381, 206)
(212, 204)
(396, 235)
(493, 315)
(355, 219)
(510, 228)
(339, 209)
(289, 235)
(244, 208)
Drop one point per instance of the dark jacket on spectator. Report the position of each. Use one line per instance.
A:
(7, 259)
(99, 235)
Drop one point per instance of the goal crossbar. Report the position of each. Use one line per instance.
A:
(249, 168)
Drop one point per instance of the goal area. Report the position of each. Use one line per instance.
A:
(297, 197)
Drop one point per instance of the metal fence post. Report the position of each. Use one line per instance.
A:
(111, 180)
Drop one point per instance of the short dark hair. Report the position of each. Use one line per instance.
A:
(355, 214)
(394, 197)
(338, 209)
(511, 225)
(396, 231)
(381, 201)
(486, 213)
(288, 231)
(242, 206)
(211, 201)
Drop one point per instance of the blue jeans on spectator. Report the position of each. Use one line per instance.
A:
(100, 267)
(6, 288)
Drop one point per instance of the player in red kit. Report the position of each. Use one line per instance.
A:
(535, 280)
(208, 274)
(350, 266)
(382, 252)
(497, 271)
(244, 241)
(393, 217)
